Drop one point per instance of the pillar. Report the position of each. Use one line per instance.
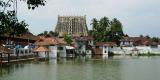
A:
(8, 57)
(1, 58)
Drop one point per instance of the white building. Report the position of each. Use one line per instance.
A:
(104, 48)
(56, 46)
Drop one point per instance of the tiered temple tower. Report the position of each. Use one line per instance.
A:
(72, 25)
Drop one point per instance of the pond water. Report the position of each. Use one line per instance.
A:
(116, 68)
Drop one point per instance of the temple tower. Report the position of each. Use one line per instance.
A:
(72, 25)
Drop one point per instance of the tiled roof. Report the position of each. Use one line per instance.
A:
(40, 49)
(138, 40)
(4, 49)
(41, 42)
(28, 36)
(24, 36)
(134, 39)
(61, 41)
(127, 39)
(50, 41)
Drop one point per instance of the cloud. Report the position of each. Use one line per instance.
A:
(137, 16)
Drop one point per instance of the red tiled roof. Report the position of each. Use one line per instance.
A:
(50, 41)
(40, 49)
(28, 36)
(24, 36)
(41, 42)
(61, 41)
(138, 40)
(4, 50)
(134, 38)
(127, 39)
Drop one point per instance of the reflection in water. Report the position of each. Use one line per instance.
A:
(7, 70)
(81, 68)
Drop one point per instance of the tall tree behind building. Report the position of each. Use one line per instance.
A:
(106, 30)
(51, 33)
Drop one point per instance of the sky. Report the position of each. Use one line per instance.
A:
(137, 16)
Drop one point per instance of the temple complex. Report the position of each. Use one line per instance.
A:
(72, 25)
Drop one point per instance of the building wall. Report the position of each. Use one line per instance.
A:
(105, 50)
(53, 51)
(62, 52)
(126, 43)
(142, 50)
(90, 42)
(42, 54)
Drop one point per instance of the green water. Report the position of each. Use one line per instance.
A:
(123, 68)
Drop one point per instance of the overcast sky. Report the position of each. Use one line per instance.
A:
(137, 16)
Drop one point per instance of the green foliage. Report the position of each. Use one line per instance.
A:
(116, 26)
(55, 34)
(95, 24)
(90, 32)
(155, 39)
(35, 3)
(9, 23)
(51, 33)
(106, 30)
(68, 39)
(32, 4)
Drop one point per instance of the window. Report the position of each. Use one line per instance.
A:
(97, 46)
(60, 48)
(123, 42)
(105, 51)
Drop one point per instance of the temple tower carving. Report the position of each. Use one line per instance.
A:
(72, 25)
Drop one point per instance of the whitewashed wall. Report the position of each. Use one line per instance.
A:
(22, 52)
(63, 52)
(142, 50)
(42, 54)
(53, 51)
(105, 50)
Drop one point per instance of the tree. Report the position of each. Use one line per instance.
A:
(116, 30)
(54, 34)
(8, 17)
(94, 23)
(95, 26)
(32, 4)
(106, 30)
(155, 39)
(9, 23)
(51, 33)
(116, 27)
(68, 39)
(90, 32)
(100, 28)
(147, 36)
(141, 36)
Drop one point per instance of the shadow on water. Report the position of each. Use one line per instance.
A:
(10, 68)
